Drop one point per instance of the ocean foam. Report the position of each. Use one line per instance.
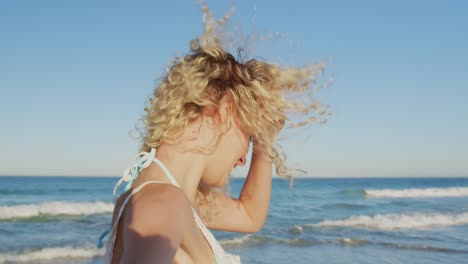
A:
(362, 242)
(296, 230)
(51, 253)
(253, 240)
(352, 241)
(244, 240)
(54, 208)
(428, 192)
(398, 221)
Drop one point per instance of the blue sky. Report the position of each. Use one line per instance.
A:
(74, 76)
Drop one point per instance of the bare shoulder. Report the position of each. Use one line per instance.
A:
(155, 223)
(157, 204)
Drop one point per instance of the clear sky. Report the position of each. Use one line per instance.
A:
(74, 76)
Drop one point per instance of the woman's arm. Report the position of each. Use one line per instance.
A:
(248, 213)
(256, 192)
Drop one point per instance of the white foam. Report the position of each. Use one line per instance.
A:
(352, 241)
(398, 221)
(347, 240)
(252, 240)
(427, 192)
(54, 208)
(51, 253)
(296, 230)
(236, 241)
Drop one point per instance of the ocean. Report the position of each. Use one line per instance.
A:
(350, 220)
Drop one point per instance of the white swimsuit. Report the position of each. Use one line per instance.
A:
(142, 161)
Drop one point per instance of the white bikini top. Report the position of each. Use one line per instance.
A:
(142, 161)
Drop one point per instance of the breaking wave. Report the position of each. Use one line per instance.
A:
(12, 191)
(397, 221)
(54, 209)
(50, 253)
(411, 193)
(253, 240)
(362, 242)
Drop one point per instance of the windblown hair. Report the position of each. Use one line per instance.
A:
(264, 96)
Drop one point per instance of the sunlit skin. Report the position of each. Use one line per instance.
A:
(158, 224)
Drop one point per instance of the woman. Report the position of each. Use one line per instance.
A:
(198, 127)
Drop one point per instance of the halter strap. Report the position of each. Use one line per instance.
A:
(142, 161)
(166, 171)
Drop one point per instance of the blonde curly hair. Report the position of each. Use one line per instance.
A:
(264, 96)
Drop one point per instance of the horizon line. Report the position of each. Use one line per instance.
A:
(237, 177)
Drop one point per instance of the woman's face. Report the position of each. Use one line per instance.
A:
(230, 153)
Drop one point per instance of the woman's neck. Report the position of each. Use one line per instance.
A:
(186, 166)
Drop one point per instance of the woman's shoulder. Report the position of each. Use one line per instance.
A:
(154, 199)
(155, 221)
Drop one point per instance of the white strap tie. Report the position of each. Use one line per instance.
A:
(142, 161)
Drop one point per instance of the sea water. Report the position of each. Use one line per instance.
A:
(351, 220)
